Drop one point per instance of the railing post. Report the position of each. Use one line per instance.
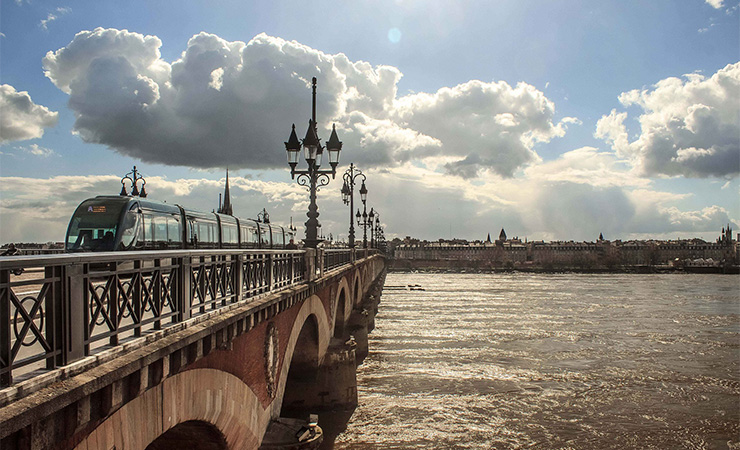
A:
(310, 264)
(6, 378)
(136, 296)
(157, 292)
(113, 304)
(320, 261)
(290, 268)
(54, 314)
(74, 304)
(236, 273)
(268, 271)
(184, 287)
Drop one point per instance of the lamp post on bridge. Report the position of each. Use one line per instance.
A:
(376, 228)
(371, 225)
(134, 177)
(313, 177)
(264, 217)
(348, 196)
(365, 220)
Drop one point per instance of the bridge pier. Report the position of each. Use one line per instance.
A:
(362, 320)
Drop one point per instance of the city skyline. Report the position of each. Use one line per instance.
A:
(619, 118)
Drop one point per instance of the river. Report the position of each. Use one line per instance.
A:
(550, 361)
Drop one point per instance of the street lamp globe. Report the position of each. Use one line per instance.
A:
(363, 192)
(345, 192)
(311, 145)
(293, 147)
(334, 146)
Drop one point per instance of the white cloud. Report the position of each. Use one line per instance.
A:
(37, 150)
(716, 4)
(52, 16)
(689, 128)
(485, 125)
(587, 165)
(21, 118)
(232, 103)
(656, 216)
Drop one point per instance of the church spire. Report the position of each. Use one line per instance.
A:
(226, 208)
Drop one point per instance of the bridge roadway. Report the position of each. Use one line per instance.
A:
(178, 349)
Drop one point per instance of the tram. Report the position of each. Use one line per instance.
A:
(120, 223)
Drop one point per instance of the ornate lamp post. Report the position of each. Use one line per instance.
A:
(313, 177)
(365, 220)
(291, 227)
(376, 227)
(348, 196)
(264, 217)
(371, 225)
(134, 177)
(363, 197)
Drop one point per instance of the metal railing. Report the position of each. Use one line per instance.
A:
(63, 308)
(336, 257)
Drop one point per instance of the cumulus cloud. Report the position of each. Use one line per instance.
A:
(689, 127)
(21, 118)
(655, 214)
(587, 165)
(231, 103)
(487, 125)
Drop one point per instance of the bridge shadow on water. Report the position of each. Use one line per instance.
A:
(333, 423)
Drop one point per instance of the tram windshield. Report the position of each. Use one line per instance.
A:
(93, 226)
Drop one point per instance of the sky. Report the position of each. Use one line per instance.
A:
(553, 120)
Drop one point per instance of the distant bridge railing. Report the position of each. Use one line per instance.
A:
(336, 257)
(63, 308)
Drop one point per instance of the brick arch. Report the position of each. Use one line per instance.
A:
(206, 395)
(311, 307)
(357, 288)
(343, 288)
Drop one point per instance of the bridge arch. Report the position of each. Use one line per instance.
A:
(311, 320)
(213, 399)
(191, 435)
(357, 288)
(341, 307)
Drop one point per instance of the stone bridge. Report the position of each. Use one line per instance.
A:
(178, 349)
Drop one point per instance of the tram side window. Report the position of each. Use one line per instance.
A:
(173, 232)
(250, 239)
(230, 235)
(192, 234)
(207, 234)
(264, 237)
(154, 232)
(278, 240)
(159, 224)
(130, 227)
